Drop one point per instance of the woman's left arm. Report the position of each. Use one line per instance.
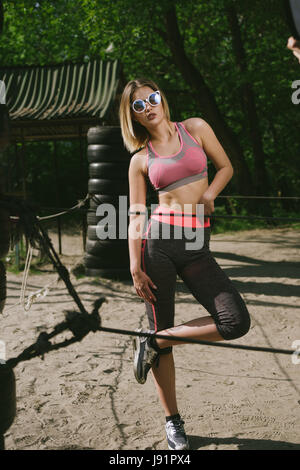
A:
(214, 150)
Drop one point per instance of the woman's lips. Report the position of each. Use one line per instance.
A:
(151, 116)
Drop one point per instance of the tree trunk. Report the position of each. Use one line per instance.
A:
(248, 97)
(207, 103)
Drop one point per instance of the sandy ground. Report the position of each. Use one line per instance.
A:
(85, 396)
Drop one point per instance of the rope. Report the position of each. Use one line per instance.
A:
(251, 217)
(206, 343)
(80, 204)
(25, 275)
(81, 323)
(30, 299)
(59, 214)
(216, 216)
(263, 197)
(34, 295)
(224, 216)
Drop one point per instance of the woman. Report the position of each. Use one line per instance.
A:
(174, 158)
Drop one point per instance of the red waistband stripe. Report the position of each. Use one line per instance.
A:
(171, 217)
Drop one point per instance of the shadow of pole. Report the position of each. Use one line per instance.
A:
(197, 442)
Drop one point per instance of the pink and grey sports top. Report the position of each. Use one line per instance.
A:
(187, 165)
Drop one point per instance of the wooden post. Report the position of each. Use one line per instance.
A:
(9, 164)
(81, 152)
(23, 170)
(17, 258)
(57, 195)
(82, 156)
(23, 167)
(15, 168)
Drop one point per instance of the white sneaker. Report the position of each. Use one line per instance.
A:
(176, 437)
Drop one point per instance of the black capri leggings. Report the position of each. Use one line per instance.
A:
(162, 259)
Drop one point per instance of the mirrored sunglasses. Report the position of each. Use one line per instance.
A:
(153, 99)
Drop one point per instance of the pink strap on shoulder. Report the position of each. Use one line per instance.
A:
(193, 138)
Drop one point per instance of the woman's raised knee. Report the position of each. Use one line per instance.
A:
(234, 321)
(237, 328)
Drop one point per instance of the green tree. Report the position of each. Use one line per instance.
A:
(223, 60)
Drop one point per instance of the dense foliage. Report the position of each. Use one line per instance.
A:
(223, 60)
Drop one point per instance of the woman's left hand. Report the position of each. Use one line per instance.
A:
(209, 205)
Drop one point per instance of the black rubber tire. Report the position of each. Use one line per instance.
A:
(98, 199)
(2, 286)
(108, 170)
(4, 232)
(94, 232)
(93, 219)
(96, 247)
(7, 397)
(107, 153)
(106, 186)
(104, 135)
(108, 259)
(113, 273)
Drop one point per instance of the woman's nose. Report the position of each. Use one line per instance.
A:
(148, 106)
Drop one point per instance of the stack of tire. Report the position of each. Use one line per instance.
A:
(108, 180)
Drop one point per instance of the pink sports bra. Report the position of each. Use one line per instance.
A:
(187, 165)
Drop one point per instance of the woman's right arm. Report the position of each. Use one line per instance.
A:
(137, 195)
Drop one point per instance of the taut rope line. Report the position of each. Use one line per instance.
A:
(81, 323)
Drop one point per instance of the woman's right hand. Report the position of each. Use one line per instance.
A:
(143, 285)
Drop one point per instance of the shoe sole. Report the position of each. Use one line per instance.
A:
(136, 352)
(186, 448)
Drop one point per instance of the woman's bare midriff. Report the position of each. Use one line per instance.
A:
(185, 198)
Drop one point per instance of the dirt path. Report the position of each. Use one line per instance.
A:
(85, 396)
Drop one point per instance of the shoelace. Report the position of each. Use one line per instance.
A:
(177, 424)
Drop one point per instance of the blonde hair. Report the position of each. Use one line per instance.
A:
(134, 134)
